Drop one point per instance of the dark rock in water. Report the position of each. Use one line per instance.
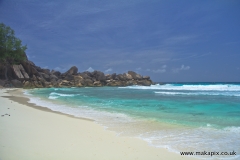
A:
(144, 82)
(130, 83)
(16, 83)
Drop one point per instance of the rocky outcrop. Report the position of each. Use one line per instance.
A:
(28, 75)
(2, 83)
(16, 83)
(135, 75)
(20, 72)
(72, 71)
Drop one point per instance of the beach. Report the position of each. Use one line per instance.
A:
(33, 132)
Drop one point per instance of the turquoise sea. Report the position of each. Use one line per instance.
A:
(179, 116)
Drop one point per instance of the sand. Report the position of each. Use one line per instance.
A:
(29, 132)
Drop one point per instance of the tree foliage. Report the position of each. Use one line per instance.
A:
(11, 49)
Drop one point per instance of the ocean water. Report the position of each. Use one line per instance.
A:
(193, 117)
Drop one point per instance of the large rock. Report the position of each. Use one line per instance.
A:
(72, 71)
(108, 76)
(130, 83)
(121, 77)
(77, 77)
(113, 76)
(19, 71)
(2, 83)
(144, 82)
(99, 76)
(69, 77)
(16, 83)
(45, 76)
(38, 84)
(115, 83)
(47, 84)
(56, 73)
(30, 68)
(146, 77)
(2, 71)
(88, 82)
(53, 77)
(85, 75)
(127, 76)
(97, 84)
(28, 85)
(65, 83)
(135, 75)
(46, 71)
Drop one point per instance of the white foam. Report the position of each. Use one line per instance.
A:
(53, 97)
(216, 87)
(25, 92)
(233, 129)
(62, 95)
(198, 139)
(209, 125)
(210, 93)
(82, 111)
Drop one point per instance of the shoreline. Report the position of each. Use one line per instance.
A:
(35, 132)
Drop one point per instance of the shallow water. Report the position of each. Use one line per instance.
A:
(180, 117)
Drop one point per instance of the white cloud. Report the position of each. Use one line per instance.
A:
(90, 69)
(184, 39)
(139, 69)
(108, 70)
(164, 66)
(160, 70)
(182, 68)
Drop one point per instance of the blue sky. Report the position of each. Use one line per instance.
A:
(169, 40)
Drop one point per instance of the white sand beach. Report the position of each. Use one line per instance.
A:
(29, 132)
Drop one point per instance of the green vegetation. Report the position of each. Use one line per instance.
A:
(11, 49)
